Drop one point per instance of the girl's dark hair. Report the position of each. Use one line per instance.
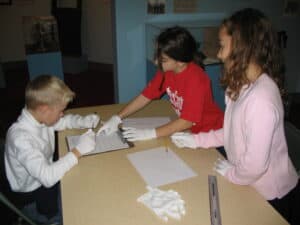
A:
(177, 43)
(253, 40)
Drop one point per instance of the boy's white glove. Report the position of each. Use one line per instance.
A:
(222, 166)
(134, 134)
(86, 142)
(183, 139)
(110, 126)
(88, 121)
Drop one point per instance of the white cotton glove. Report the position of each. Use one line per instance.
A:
(184, 140)
(164, 204)
(86, 142)
(88, 121)
(110, 126)
(222, 166)
(134, 134)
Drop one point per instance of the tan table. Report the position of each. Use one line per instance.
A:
(103, 189)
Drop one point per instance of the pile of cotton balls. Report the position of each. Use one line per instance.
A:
(163, 203)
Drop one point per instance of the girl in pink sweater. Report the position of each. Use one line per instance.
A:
(253, 130)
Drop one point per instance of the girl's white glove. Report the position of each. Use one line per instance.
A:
(184, 140)
(88, 121)
(110, 126)
(222, 166)
(134, 134)
(86, 142)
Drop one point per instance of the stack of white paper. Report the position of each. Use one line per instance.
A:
(159, 167)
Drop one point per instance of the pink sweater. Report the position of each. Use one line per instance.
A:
(254, 140)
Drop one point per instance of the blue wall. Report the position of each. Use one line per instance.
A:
(130, 48)
(130, 26)
(45, 63)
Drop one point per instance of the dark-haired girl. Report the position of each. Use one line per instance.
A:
(182, 77)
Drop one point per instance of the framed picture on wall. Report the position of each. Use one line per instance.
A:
(291, 8)
(5, 2)
(40, 34)
(185, 6)
(156, 6)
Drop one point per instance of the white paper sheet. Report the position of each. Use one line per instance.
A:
(104, 142)
(145, 122)
(158, 167)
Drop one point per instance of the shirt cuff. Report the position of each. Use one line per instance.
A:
(71, 158)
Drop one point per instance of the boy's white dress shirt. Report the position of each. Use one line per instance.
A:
(29, 152)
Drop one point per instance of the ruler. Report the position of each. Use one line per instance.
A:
(215, 215)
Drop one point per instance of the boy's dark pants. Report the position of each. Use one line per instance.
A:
(46, 200)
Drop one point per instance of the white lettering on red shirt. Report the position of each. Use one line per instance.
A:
(176, 101)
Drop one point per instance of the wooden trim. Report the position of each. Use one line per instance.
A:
(3, 2)
(15, 65)
(103, 67)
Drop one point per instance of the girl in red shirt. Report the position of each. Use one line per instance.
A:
(183, 79)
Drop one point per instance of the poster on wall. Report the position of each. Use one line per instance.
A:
(156, 6)
(185, 6)
(40, 34)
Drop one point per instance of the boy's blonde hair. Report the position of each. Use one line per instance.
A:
(47, 89)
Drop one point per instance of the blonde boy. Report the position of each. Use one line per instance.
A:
(29, 148)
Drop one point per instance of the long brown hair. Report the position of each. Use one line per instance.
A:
(253, 40)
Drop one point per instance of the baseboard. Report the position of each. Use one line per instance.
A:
(103, 67)
(22, 65)
(15, 66)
